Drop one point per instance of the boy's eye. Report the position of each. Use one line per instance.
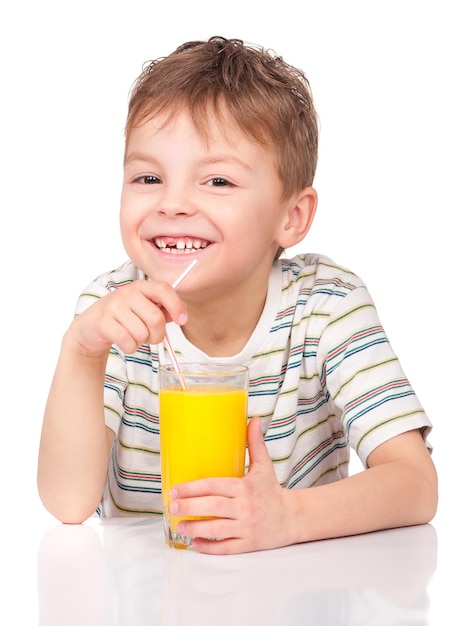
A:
(219, 182)
(149, 180)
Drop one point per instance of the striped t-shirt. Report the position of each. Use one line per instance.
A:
(323, 378)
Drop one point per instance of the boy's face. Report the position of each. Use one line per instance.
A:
(219, 202)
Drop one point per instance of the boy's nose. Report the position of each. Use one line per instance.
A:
(175, 202)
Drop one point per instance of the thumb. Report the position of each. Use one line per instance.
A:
(258, 453)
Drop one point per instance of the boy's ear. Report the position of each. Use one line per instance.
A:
(298, 218)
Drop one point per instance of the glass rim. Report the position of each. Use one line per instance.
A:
(202, 368)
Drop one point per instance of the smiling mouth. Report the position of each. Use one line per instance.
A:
(180, 245)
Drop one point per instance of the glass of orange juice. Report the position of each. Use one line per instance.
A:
(203, 429)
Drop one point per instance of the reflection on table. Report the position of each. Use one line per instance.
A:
(120, 572)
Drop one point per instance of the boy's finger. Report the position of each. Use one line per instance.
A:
(164, 296)
(258, 452)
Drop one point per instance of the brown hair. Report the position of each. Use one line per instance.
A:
(268, 99)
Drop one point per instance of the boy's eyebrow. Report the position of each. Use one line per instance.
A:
(226, 158)
(211, 159)
(138, 156)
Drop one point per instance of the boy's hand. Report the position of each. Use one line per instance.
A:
(252, 513)
(128, 317)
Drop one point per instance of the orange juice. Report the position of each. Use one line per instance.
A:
(203, 433)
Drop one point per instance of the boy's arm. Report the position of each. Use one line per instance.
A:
(398, 489)
(255, 513)
(75, 443)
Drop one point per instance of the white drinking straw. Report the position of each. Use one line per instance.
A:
(180, 278)
(166, 341)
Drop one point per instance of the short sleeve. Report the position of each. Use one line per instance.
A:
(365, 378)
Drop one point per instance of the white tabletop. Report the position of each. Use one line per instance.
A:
(121, 573)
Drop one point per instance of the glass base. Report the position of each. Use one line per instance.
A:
(176, 540)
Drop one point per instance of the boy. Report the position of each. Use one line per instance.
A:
(220, 156)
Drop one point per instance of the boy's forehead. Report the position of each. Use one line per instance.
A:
(213, 124)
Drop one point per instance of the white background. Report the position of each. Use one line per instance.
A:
(392, 82)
